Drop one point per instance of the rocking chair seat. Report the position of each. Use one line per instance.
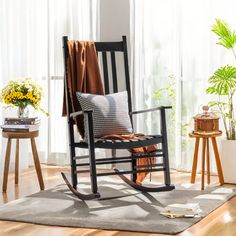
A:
(123, 144)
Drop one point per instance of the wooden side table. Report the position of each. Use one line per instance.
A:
(23, 135)
(205, 150)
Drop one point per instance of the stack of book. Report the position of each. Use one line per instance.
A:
(12, 124)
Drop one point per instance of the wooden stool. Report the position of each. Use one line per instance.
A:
(205, 149)
(17, 135)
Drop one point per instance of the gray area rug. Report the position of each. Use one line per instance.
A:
(129, 210)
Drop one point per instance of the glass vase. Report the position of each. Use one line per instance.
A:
(23, 112)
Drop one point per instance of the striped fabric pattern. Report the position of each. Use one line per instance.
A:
(110, 113)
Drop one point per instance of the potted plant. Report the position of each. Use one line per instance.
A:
(223, 85)
(22, 93)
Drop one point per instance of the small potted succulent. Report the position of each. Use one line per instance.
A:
(223, 85)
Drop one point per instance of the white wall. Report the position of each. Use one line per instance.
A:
(115, 23)
(114, 19)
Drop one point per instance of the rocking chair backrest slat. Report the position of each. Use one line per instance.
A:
(105, 73)
(114, 73)
(65, 52)
(127, 79)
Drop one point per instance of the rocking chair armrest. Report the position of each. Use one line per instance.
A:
(89, 115)
(79, 113)
(150, 110)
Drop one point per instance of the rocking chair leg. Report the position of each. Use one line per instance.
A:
(73, 172)
(93, 174)
(165, 148)
(73, 165)
(92, 161)
(134, 176)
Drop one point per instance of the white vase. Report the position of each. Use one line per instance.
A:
(228, 160)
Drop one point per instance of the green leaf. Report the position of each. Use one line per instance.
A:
(211, 90)
(217, 104)
(213, 103)
(227, 37)
(221, 28)
(223, 82)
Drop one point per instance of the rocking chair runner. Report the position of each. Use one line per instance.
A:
(91, 145)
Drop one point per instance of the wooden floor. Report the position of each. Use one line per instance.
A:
(221, 222)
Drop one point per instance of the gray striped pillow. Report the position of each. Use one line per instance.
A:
(110, 113)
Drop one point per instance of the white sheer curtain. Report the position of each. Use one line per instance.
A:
(77, 20)
(23, 52)
(31, 45)
(173, 39)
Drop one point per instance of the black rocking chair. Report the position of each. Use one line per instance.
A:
(91, 145)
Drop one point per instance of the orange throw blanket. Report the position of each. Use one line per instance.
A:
(83, 75)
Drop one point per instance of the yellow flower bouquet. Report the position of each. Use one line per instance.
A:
(21, 93)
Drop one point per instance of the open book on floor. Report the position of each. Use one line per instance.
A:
(181, 210)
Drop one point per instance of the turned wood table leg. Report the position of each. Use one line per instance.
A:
(208, 161)
(17, 162)
(203, 160)
(218, 164)
(195, 158)
(37, 163)
(6, 165)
